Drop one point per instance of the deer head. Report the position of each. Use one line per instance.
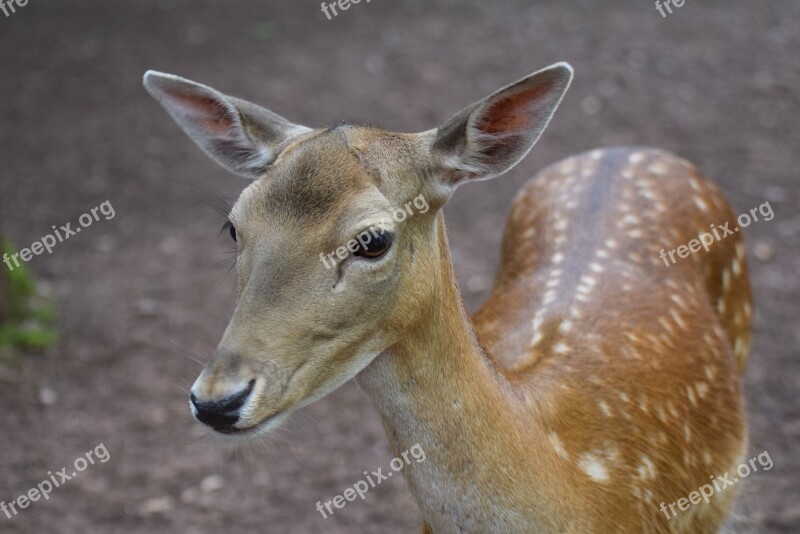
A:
(309, 317)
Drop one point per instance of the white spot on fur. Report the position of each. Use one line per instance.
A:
(557, 445)
(709, 371)
(538, 320)
(586, 283)
(678, 300)
(671, 407)
(691, 395)
(631, 219)
(561, 348)
(646, 469)
(736, 266)
(550, 296)
(631, 336)
(678, 319)
(636, 233)
(568, 167)
(593, 467)
(636, 157)
(666, 324)
(701, 203)
(658, 168)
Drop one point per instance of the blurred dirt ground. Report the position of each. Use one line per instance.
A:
(141, 295)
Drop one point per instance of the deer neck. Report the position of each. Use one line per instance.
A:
(438, 364)
(438, 388)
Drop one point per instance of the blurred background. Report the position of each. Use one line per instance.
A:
(137, 299)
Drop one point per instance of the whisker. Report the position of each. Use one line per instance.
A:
(192, 354)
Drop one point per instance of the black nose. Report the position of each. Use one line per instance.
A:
(221, 415)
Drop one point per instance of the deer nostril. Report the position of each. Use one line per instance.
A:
(224, 413)
(234, 402)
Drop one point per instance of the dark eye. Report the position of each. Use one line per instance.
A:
(230, 228)
(376, 247)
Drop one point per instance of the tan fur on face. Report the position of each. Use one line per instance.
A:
(324, 325)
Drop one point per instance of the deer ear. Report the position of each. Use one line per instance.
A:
(490, 137)
(240, 136)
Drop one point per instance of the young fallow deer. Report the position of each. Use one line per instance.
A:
(593, 385)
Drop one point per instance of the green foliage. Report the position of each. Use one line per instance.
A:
(31, 317)
(26, 337)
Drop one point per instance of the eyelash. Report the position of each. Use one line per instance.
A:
(230, 228)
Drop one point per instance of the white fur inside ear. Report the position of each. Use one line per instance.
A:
(492, 136)
(237, 134)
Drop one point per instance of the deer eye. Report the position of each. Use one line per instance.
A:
(376, 247)
(230, 228)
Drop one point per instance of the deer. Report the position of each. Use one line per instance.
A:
(594, 384)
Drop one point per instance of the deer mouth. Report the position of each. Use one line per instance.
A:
(262, 427)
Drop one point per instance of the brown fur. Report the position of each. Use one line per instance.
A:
(500, 403)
